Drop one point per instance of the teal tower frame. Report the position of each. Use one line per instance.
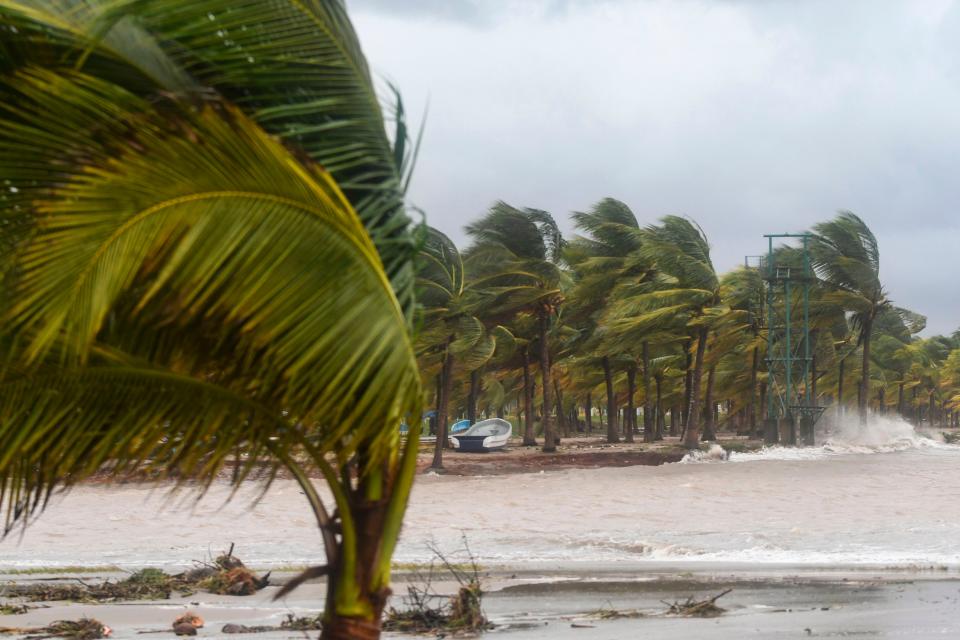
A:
(789, 356)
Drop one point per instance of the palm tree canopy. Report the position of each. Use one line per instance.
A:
(516, 258)
(449, 304)
(527, 234)
(294, 68)
(846, 257)
(190, 284)
(680, 249)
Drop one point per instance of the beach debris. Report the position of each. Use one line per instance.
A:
(146, 584)
(459, 612)
(697, 608)
(187, 624)
(82, 629)
(616, 614)
(302, 623)
(13, 609)
(190, 618)
(226, 575)
(231, 627)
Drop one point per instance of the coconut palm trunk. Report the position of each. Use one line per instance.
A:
(561, 417)
(612, 435)
(549, 437)
(709, 427)
(588, 411)
(446, 387)
(900, 400)
(660, 418)
(648, 414)
(840, 388)
(752, 398)
(529, 439)
(763, 407)
(472, 396)
(691, 438)
(865, 377)
(631, 416)
(687, 383)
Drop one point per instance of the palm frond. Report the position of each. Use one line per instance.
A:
(201, 218)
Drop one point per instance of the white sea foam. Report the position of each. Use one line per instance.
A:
(881, 434)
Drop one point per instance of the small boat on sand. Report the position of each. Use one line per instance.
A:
(486, 435)
(459, 426)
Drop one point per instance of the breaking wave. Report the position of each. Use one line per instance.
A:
(882, 434)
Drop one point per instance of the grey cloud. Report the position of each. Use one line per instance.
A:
(467, 11)
(750, 117)
(480, 13)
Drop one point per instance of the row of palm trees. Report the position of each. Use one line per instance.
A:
(525, 321)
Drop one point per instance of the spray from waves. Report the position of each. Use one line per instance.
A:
(714, 453)
(844, 436)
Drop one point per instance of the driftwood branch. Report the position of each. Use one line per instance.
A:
(308, 574)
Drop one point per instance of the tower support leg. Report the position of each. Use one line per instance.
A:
(771, 433)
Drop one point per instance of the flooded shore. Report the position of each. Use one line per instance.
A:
(851, 537)
(893, 503)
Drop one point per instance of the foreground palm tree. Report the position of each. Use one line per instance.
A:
(211, 264)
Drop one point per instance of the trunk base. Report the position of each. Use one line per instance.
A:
(350, 629)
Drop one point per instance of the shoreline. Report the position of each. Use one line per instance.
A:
(581, 452)
(588, 602)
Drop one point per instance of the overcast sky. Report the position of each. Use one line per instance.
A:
(750, 116)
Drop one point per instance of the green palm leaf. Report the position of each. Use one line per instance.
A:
(220, 225)
(295, 67)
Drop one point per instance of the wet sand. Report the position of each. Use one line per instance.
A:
(562, 604)
(579, 454)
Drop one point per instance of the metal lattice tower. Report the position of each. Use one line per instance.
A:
(789, 355)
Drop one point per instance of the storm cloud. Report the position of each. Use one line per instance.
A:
(749, 116)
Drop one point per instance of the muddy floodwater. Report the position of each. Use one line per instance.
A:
(859, 536)
(893, 501)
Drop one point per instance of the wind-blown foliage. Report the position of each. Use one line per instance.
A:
(647, 301)
(211, 264)
(847, 259)
(517, 258)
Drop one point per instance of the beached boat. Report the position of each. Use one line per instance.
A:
(486, 435)
(459, 426)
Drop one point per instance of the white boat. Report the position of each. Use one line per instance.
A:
(486, 435)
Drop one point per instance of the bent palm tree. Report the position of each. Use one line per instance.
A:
(846, 257)
(683, 296)
(188, 285)
(517, 256)
(451, 331)
(605, 258)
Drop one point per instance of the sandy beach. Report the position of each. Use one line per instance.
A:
(565, 604)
